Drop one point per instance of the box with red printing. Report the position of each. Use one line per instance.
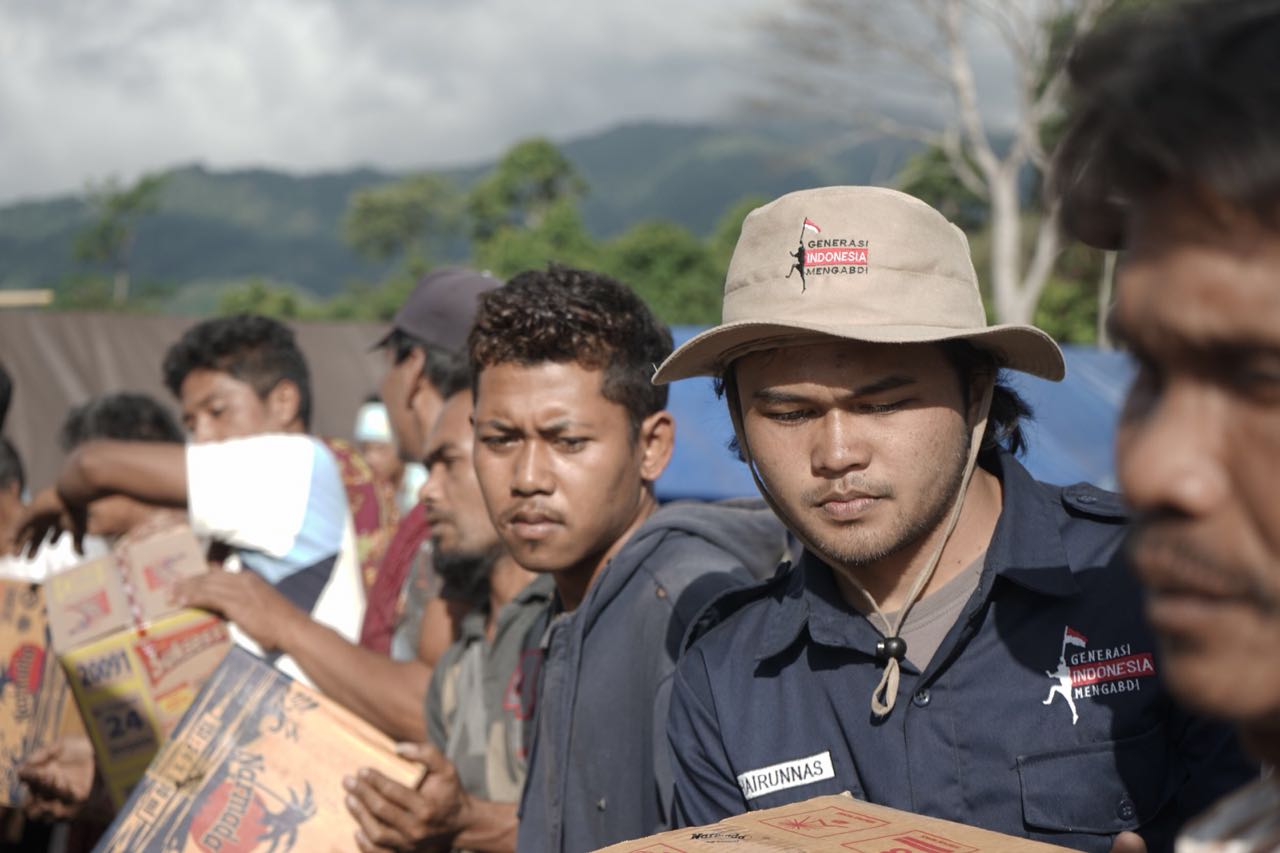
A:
(832, 824)
(135, 662)
(35, 703)
(256, 765)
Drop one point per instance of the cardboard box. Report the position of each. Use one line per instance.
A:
(36, 707)
(135, 662)
(832, 824)
(256, 765)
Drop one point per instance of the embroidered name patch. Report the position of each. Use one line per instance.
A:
(788, 774)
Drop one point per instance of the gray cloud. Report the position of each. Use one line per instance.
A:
(95, 89)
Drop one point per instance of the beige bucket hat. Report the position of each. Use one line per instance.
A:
(862, 263)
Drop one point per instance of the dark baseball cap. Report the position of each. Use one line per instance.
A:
(442, 307)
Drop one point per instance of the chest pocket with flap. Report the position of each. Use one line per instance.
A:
(1099, 788)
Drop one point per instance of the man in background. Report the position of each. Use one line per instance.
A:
(410, 613)
(1174, 156)
(60, 778)
(124, 417)
(250, 478)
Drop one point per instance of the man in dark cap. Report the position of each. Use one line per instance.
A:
(410, 612)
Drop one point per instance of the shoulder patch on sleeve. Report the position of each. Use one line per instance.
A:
(730, 601)
(1088, 499)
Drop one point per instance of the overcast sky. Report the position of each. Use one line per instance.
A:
(92, 89)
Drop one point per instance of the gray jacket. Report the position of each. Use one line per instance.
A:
(598, 771)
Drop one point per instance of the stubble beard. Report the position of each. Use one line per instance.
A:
(467, 573)
(904, 532)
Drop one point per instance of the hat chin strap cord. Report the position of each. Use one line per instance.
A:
(891, 649)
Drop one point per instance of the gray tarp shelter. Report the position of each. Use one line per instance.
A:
(58, 360)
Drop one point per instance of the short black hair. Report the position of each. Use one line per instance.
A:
(1004, 419)
(568, 315)
(438, 363)
(458, 380)
(122, 417)
(254, 349)
(11, 471)
(1188, 100)
(1008, 408)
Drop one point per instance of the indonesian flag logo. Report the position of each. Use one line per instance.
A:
(826, 256)
(1090, 673)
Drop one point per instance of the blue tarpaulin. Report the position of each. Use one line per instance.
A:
(1070, 439)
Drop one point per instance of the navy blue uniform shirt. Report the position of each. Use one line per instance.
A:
(1041, 715)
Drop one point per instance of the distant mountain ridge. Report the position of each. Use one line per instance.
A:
(216, 226)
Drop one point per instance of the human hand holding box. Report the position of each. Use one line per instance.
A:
(256, 764)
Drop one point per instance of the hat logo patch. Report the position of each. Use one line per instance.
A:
(817, 255)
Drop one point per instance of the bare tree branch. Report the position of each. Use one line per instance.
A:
(1051, 96)
(1043, 257)
(1106, 284)
(1016, 13)
(885, 126)
(935, 10)
(997, 14)
(931, 41)
(966, 96)
(951, 146)
(826, 35)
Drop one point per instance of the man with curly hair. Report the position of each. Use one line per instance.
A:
(570, 437)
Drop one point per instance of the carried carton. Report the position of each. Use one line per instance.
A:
(134, 660)
(36, 707)
(832, 824)
(256, 765)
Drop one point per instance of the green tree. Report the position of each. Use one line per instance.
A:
(670, 268)
(408, 216)
(371, 302)
(261, 296)
(83, 292)
(929, 176)
(928, 45)
(559, 236)
(724, 237)
(529, 180)
(109, 239)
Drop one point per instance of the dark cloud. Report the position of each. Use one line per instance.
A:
(95, 89)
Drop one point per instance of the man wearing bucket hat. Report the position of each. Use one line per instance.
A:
(955, 640)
